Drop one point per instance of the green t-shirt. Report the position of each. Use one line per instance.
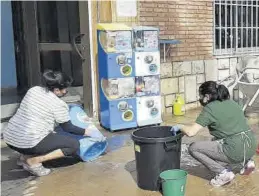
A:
(224, 120)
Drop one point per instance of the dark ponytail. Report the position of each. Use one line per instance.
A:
(223, 93)
(55, 79)
(215, 91)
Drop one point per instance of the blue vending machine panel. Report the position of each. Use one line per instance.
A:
(123, 114)
(147, 85)
(118, 103)
(115, 51)
(145, 38)
(120, 65)
(116, 65)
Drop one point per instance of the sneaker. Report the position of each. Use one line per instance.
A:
(22, 159)
(248, 169)
(37, 170)
(223, 178)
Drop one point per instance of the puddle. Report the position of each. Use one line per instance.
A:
(118, 141)
(117, 176)
(116, 173)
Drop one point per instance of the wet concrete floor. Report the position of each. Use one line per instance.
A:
(115, 173)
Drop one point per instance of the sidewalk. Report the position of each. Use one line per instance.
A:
(115, 173)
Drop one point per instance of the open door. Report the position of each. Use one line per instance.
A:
(55, 35)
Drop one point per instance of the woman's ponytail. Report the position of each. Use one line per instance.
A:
(223, 93)
(215, 91)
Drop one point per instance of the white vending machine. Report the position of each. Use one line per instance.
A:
(146, 56)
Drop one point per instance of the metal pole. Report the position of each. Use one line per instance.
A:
(247, 26)
(252, 25)
(231, 27)
(220, 26)
(256, 34)
(226, 25)
(214, 27)
(242, 27)
(236, 27)
(164, 54)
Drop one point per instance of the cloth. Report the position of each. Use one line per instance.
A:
(226, 120)
(39, 112)
(68, 145)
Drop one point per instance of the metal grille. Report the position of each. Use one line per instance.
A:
(236, 27)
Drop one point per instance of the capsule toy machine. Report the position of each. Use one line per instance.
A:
(116, 76)
(149, 110)
(146, 51)
(146, 55)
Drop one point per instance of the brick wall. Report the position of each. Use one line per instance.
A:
(191, 62)
(190, 21)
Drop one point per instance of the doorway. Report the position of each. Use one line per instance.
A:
(53, 35)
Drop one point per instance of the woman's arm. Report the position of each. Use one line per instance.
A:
(190, 130)
(70, 128)
(90, 131)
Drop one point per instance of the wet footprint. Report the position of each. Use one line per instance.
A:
(29, 194)
(31, 186)
(33, 182)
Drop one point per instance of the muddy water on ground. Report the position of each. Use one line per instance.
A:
(115, 174)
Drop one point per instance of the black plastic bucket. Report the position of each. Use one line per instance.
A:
(156, 150)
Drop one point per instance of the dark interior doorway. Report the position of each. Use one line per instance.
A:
(53, 35)
(54, 26)
(58, 27)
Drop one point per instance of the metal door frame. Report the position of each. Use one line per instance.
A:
(33, 48)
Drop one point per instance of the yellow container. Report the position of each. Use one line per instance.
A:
(179, 106)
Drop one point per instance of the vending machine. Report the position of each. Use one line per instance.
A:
(146, 56)
(116, 72)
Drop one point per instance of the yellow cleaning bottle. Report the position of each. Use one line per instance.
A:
(179, 106)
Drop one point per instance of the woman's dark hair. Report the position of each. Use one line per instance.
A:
(216, 91)
(56, 79)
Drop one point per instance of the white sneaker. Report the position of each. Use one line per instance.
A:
(223, 178)
(37, 170)
(249, 168)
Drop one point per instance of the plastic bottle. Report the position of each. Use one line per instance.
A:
(179, 106)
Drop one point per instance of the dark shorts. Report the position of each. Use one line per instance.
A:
(68, 145)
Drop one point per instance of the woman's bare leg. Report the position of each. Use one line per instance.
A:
(47, 157)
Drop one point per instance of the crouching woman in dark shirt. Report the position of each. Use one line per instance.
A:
(234, 142)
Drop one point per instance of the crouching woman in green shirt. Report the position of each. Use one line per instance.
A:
(233, 144)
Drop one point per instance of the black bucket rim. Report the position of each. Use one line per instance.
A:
(155, 140)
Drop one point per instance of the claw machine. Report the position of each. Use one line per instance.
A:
(146, 56)
(116, 77)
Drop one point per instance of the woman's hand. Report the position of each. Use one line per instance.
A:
(175, 129)
(94, 133)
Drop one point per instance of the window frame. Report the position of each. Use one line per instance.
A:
(231, 24)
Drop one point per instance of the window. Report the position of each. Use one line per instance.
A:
(236, 27)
